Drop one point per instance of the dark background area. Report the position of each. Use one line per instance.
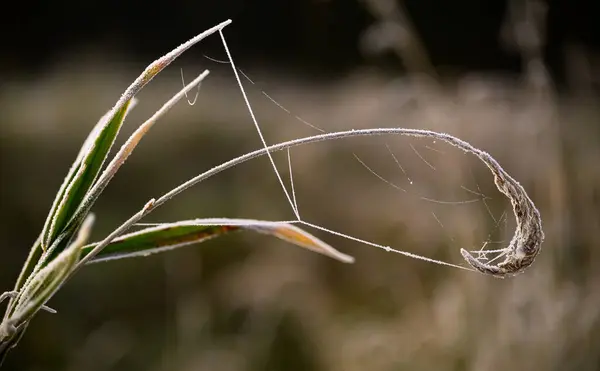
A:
(247, 302)
(312, 36)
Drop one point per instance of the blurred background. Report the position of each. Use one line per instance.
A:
(518, 79)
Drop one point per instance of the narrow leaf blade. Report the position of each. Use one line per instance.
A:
(73, 189)
(49, 279)
(84, 174)
(34, 255)
(169, 236)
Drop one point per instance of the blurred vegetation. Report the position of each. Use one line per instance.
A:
(249, 302)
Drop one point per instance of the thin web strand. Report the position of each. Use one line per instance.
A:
(377, 175)
(482, 253)
(496, 227)
(249, 106)
(442, 226)
(215, 59)
(268, 96)
(435, 150)
(487, 207)
(461, 202)
(475, 193)
(309, 124)
(398, 163)
(288, 111)
(186, 94)
(421, 157)
(386, 248)
(275, 102)
(227, 62)
(489, 211)
(289, 156)
(503, 253)
(246, 76)
(442, 202)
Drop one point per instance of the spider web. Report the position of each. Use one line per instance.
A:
(476, 196)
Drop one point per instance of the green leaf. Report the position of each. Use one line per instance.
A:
(164, 237)
(83, 174)
(85, 170)
(44, 284)
(34, 255)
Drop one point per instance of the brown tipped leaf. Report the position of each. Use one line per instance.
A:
(169, 236)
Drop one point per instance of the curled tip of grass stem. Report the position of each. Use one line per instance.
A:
(528, 237)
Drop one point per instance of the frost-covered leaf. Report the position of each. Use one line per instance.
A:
(42, 286)
(88, 164)
(83, 173)
(164, 237)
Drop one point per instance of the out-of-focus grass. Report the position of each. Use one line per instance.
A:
(255, 304)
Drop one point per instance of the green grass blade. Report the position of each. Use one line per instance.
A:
(68, 179)
(47, 281)
(83, 175)
(85, 169)
(124, 152)
(164, 237)
(34, 255)
(40, 289)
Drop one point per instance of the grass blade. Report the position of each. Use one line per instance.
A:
(83, 174)
(34, 255)
(164, 237)
(125, 151)
(40, 289)
(48, 280)
(80, 178)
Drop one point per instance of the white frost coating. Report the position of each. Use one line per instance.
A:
(281, 229)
